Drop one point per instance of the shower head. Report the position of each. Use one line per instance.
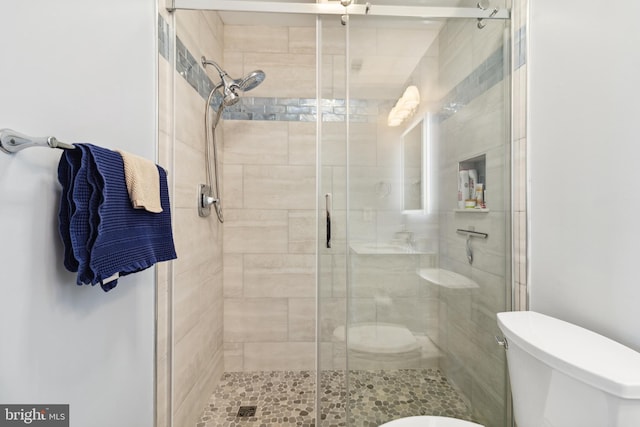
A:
(231, 86)
(230, 96)
(251, 81)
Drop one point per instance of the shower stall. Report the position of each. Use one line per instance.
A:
(348, 284)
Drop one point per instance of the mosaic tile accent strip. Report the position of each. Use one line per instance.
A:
(256, 108)
(164, 39)
(191, 70)
(301, 109)
(520, 48)
(485, 76)
(288, 398)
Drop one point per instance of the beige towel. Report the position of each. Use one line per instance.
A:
(143, 182)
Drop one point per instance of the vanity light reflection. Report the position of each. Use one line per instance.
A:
(405, 108)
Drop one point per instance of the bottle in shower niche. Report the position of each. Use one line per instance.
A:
(470, 203)
(473, 181)
(480, 196)
(463, 187)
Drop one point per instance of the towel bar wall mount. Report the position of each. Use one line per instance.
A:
(11, 142)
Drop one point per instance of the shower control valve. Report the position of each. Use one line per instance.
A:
(205, 201)
(208, 200)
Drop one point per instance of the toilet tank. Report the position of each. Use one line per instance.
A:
(563, 375)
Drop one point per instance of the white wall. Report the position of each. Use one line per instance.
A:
(584, 162)
(83, 71)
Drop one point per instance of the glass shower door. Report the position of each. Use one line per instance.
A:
(422, 295)
(332, 229)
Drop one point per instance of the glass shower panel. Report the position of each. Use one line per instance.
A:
(420, 309)
(332, 202)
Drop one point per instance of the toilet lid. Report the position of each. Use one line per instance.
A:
(429, 421)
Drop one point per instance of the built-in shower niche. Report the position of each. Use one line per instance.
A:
(394, 315)
(472, 171)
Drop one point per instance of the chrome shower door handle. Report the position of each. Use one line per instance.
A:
(327, 207)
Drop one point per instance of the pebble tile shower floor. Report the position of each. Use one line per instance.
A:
(286, 398)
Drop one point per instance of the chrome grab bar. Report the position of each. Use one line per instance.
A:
(470, 234)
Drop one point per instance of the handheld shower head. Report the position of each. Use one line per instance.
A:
(230, 91)
(231, 86)
(230, 96)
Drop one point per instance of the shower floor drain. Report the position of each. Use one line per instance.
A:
(247, 411)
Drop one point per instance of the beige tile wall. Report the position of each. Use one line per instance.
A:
(270, 187)
(196, 276)
(269, 199)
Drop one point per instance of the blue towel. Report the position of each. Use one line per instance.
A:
(67, 168)
(74, 213)
(106, 234)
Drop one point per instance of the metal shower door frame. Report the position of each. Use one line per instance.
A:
(338, 9)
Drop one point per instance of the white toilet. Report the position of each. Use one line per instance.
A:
(565, 376)
(429, 421)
